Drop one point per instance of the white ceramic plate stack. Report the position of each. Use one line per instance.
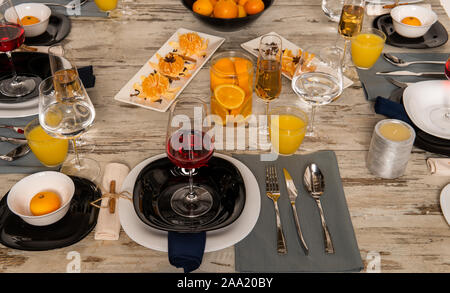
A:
(27, 108)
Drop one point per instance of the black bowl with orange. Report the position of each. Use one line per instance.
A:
(227, 24)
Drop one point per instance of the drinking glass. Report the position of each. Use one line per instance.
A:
(332, 9)
(350, 24)
(447, 68)
(366, 47)
(110, 7)
(190, 145)
(65, 111)
(318, 79)
(12, 36)
(268, 72)
(106, 5)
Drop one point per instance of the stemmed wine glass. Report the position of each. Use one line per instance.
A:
(318, 80)
(65, 111)
(268, 72)
(190, 145)
(12, 36)
(350, 24)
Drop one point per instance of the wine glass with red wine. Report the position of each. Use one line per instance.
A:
(447, 68)
(190, 145)
(12, 36)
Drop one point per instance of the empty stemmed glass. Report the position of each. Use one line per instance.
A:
(12, 36)
(318, 80)
(190, 145)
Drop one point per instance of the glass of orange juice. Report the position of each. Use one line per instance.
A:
(106, 5)
(367, 47)
(287, 128)
(50, 151)
(231, 81)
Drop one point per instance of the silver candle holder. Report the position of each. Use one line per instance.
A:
(388, 158)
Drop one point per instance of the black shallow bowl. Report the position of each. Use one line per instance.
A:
(157, 182)
(229, 24)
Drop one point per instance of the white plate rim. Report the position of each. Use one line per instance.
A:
(445, 202)
(216, 239)
(124, 94)
(408, 102)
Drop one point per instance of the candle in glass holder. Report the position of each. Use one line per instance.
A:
(390, 148)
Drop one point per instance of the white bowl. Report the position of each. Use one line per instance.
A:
(20, 195)
(38, 10)
(426, 16)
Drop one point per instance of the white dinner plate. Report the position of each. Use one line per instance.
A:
(216, 239)
(27, 108)
(445, 202)
(253, 45)
(124, 95)
(421, 100)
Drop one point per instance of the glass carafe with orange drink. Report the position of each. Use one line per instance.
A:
(231, 81)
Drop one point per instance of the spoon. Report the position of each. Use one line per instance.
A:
(314, 183)
(402, 63)
(16, 153)
(71, 6)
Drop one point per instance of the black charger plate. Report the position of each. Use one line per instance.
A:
(72, 228)
(157, 181)
(436, 36)
(59, 27)
(32, 64)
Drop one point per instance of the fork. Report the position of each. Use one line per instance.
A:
(273, 192)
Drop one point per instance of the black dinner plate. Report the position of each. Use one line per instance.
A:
(32, 64)
(72, 228)
(157, 181)
(436, 36)
(59, 27)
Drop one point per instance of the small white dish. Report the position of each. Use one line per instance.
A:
(123, 95)
(426, 101)
(216, 239)
(22, 192)
(445, 202)
(38, 10)
(426, 16)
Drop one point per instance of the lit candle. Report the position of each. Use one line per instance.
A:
(390, 148)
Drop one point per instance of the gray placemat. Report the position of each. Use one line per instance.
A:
(88, 9)
(258, 253)
(27, 164)
(377, 85)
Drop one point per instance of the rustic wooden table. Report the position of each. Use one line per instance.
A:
(398, 219)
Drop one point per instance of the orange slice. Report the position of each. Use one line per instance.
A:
(241, 67)
(230, 96)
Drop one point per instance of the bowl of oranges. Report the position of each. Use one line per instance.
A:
(227, 15)
(412, 21)
(42, 198)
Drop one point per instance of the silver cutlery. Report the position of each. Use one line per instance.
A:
(402, 63)
(397, 83)
(292, 191)
(314, 183)
(13, 140)
(16, 153)
(273, 192)
(410, 73)
(68, 5)
(15, 128)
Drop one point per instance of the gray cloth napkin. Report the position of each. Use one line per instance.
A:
(27, 164)
(377, 85)
(258, 253)
(88, 9)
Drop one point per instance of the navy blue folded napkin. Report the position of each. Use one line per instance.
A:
(87, 76)
(186, 250)
(391, 109)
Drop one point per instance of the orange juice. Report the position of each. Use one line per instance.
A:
(106, 5)
(48, 150)
(287, 131)
(231, 81)
(366, 48)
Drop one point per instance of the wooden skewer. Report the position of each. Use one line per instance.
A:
(28, 48)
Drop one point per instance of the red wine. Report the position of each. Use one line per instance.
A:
(447, 68)
(11, 36)
(190, 149)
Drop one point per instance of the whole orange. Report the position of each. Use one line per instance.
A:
(254, 6)
(213, 2)
(226, 9)
(44, 202)
(242, 2)
(203, 7)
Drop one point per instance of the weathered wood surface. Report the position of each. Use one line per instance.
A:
(400, 219)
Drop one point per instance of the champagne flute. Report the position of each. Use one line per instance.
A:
(268, 72)
(190, 145)
(318, 80)
(65, 111)
(12, 36)
(350, 24)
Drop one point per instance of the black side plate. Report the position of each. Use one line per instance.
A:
(58, 28)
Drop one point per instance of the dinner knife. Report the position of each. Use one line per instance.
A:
(405, 73)
(15, 128)
(292, 191)
(13, 140)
